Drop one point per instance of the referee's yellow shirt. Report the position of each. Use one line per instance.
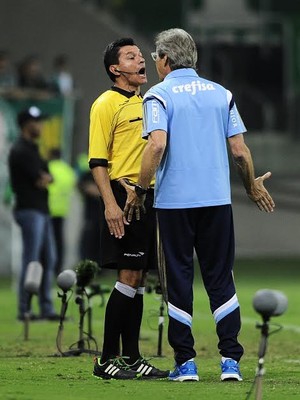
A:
(115, 138)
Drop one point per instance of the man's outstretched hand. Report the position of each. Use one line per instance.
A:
(260, 195)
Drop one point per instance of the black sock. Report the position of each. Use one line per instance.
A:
(131, 329)
(115, 315)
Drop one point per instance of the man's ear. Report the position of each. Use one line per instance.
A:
(166, 60)
(114, 70)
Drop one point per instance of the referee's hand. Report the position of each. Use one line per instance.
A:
(134, 204)
(115, 220)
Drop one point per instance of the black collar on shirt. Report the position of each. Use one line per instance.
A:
(124, 92)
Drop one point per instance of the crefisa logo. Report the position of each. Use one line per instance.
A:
(193, 87)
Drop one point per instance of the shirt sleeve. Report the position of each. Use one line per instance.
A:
(101, 125)
(154, 115)
(235, 122)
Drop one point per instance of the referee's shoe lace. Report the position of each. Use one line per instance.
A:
(115, 368)
(148, 371)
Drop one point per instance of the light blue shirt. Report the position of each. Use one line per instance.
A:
(198, 116)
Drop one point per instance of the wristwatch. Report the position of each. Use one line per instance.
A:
(139, 190)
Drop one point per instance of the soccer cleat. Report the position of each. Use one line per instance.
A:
(184, 372)
(147, 370)
(115, 368)
(230, 370)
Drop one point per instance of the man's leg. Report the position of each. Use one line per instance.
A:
(177, 238)
(48, 262)
(118, 313)
(215, 251)
(32, 225)
(58, 231)
(131, 328)
(117, 310)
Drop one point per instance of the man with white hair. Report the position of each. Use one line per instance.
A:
(188, 121)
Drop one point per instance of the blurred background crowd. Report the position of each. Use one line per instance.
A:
(51, 57)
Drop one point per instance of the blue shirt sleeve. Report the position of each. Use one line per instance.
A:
(235, 122)
(154, 115)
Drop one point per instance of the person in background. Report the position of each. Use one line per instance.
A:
(30, 178)
(7, 75)
(62, 78)
(89, 245)
(8, 78)
(115, 150)
(188, 121)
(32, 81)
(60, 194)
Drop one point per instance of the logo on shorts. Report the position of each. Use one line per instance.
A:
(139, 254)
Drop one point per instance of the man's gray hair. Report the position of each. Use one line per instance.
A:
(178, 46)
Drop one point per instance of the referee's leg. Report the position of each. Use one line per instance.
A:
(215, 250)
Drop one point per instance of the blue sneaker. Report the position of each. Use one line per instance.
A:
(230, 370)
(184, 372)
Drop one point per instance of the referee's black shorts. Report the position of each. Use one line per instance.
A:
(137, 249)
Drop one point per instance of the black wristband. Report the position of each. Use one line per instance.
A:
(139, 190)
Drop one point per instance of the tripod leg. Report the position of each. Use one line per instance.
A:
(89, 315)
(161, 321)
(63, 310)
(26, 325)
(27, 318)
(258, 392)
(261, 353)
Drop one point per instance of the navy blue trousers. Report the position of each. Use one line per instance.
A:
(210, 232)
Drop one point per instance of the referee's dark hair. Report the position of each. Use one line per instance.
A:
(111, 54)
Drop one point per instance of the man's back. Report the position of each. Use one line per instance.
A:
(195, 113)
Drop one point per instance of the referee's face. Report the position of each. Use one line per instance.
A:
(131, 66)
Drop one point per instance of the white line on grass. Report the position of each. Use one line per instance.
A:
(288, 327)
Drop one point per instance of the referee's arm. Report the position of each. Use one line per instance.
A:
(113, 213)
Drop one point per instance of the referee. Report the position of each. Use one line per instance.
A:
(115, 151)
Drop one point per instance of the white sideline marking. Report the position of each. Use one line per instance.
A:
(287, 327)
(252, 321)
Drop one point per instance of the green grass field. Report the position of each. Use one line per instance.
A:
(31, 370)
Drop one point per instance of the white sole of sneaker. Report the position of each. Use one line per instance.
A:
(110, 378)
(184, 378)
(231, 377)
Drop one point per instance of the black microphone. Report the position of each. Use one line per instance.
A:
(66, 279)
(85, 272)
(269, 303)
(127, 72)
